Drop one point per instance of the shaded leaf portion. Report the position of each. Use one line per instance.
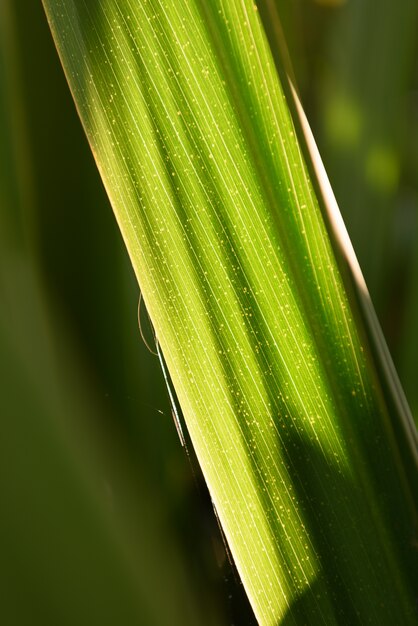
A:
(195, 143)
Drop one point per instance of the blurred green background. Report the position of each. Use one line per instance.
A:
(104, 518)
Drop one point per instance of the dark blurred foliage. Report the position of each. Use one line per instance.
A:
(104, 517)
(356, 65)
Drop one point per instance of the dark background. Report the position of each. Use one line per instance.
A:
(104, 518)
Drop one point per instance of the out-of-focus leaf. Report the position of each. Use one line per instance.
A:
(83, 539)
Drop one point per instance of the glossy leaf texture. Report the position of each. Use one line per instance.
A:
(199, 153)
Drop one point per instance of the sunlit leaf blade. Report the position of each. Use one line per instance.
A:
(193, 137)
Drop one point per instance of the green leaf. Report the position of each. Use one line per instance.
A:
(264, 340)
(86, 537)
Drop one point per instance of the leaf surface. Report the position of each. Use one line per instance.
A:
(199, 154)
